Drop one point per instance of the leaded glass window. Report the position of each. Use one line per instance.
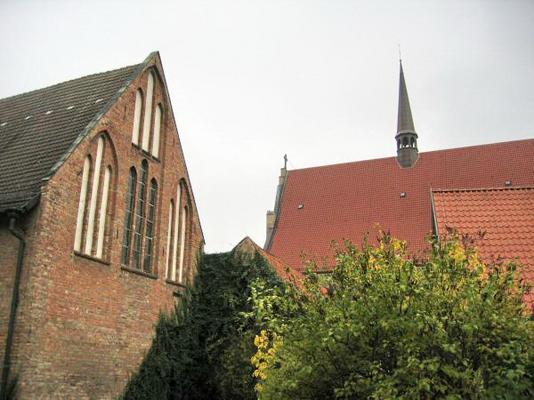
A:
(140, 216)
(150, 222)
(128, 219)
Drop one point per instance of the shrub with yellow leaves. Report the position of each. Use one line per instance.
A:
(447, 325)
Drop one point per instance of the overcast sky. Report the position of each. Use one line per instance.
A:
(318, 80)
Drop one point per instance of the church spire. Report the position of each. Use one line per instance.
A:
(406, 137)
(404, 121)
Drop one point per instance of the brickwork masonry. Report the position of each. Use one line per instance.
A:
(84, 325)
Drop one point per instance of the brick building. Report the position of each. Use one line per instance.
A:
(480, 188)
(99, 230)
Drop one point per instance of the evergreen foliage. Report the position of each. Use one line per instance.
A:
(203, 350)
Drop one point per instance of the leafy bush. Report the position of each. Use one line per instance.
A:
(448, 327)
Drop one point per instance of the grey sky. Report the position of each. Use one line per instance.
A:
(252, 80)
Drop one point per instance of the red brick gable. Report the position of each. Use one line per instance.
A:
(84, 323)
(340, 201)
(505, 215)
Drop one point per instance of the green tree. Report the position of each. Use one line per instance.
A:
(203, 349)
(388, 327)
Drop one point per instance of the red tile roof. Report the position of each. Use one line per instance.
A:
(506, 215)
(347, 200)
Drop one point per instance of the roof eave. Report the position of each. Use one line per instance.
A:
(24, 208)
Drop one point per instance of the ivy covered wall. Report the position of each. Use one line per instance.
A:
(203, 350)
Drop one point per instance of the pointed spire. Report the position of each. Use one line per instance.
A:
(404, 121)
(406, 138)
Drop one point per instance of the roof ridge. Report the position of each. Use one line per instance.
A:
(68, 81)
(420, 154)
(484, 189)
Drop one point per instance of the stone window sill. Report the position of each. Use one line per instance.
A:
(146, 153)
(88, 257)
(138, 272)
(174, 283)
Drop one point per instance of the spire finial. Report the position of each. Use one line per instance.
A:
(285, 161)
(400, 55)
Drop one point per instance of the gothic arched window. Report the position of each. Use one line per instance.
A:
(184, 233)
(82, 204)
(129, 216)
(175, 251)
(137, 116)
(170, 241)
(157, 130)
(94, 197)
(150, 227)
(178, 235)
(140, 215)
(92, 218)
(103, 213)
(147, 120)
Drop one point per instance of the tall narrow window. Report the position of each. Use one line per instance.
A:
(150, 222)
(183, 228)
(103, 213)
(128, 219)
(148, 112)
(157, 130)
(94, 197)
(175, 239)
(137, 116)
(170, 239)
(140, 216)
(81, 204)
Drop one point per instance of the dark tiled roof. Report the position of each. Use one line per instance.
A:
(345, 201)
(505, 215)
(38, 128)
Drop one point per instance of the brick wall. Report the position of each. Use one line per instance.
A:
(86, 323)
(8, 262)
